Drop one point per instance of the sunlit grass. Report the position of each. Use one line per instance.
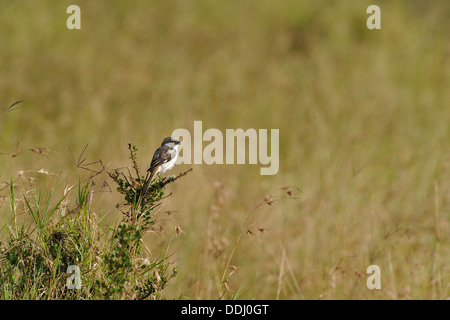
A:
(363, 122)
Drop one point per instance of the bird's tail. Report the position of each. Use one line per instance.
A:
(148, 179)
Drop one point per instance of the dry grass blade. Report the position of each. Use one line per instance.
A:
(79, 163)
(13, 106)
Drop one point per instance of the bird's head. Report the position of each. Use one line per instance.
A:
(171, 141)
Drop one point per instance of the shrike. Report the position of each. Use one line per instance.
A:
(163, 160)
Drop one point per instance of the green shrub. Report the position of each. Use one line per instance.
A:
(37, 252)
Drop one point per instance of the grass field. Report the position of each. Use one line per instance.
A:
(364, 134)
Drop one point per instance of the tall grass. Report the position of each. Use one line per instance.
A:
(363, 118)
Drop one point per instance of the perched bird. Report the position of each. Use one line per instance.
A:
(163, 160)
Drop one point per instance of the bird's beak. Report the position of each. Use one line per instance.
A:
(178, 142)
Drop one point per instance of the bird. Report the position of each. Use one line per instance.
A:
(163, 160)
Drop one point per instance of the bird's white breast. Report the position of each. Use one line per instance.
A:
(170, 164)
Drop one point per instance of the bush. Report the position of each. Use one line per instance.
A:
(111, 264)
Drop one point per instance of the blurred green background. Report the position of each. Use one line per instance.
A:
(363, 118)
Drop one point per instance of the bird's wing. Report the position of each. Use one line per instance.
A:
(162, 155)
